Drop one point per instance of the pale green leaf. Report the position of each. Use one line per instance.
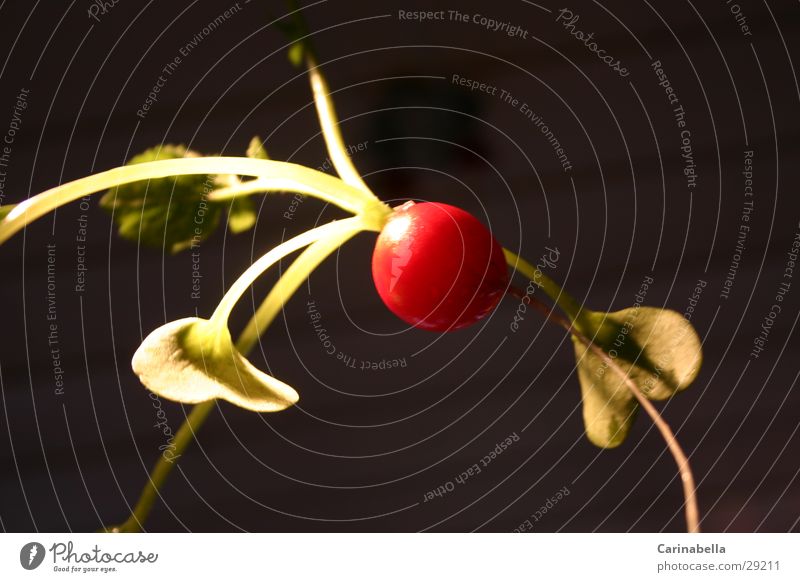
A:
(658, 348)
(191, 361)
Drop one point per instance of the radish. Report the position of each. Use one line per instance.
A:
(434, 265)
(437, 267)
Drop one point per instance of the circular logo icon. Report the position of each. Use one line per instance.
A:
(31, 555)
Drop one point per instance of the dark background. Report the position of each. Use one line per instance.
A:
(363, 447)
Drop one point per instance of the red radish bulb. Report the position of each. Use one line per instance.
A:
(437, 267)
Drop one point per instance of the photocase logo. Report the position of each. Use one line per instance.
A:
(31, 555)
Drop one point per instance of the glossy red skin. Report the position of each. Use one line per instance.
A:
(437, 267)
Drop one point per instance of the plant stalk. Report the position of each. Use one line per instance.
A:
(553, 290)
(163, 468)
(682, 462)
(271, 176)
(231, 297)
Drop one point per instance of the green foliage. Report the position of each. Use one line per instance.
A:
(173, 213)
(176, 213)
(658, 348)
(190, 360)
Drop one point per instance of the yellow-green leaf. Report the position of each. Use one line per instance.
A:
(658, 348)
(191, 361)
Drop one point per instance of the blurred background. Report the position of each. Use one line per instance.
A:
(365, 447)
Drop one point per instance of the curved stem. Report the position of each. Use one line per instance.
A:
(287, 285)
(338, 227)
(274, 176)
(684, 468)
(330, 128)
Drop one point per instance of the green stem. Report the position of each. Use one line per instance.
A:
(223, 310)
(163, 467)
(241, 189)
(287, 285)
(273, 176)
(326, 112)
(568, 304)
